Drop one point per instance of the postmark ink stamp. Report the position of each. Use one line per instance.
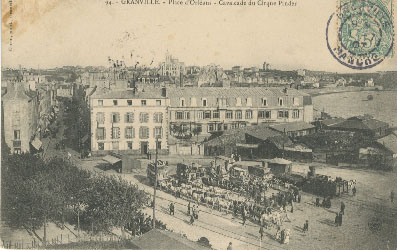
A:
(360, 34)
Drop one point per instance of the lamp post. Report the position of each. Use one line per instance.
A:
(155, 185)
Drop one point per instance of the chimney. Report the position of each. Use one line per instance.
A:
(163, 92)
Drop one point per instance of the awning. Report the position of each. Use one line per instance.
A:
(36, 143)
(84, 139)
(111, 159)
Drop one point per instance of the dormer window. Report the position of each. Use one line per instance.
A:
(182, 102)
(129, 102)
(249, 102)
(264, 102)
(115, 102)
(296, 101)
(204, 102)
(238, 101)
(143, 102)
(280, 101)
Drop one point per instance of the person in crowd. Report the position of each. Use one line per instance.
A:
(340, 219)
(197, 212)
(261, 232)
(278, 234)
(299, 198)
(342, 207)
(292, 207)
(188, 208)
(286, 236)
(354, 190)
(282, 238)
(230, 246)
(172, 209)
(317, 201)
(306, 226)
(392, 196)
(243, 214)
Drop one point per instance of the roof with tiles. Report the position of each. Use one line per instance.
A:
(232, 92)
(147, 93)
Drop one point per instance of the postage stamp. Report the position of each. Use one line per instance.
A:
(360, 34)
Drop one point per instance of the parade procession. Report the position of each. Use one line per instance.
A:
(263, 192)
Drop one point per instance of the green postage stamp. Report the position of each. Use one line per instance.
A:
(360, 34)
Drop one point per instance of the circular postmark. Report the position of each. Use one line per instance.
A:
(360, 34)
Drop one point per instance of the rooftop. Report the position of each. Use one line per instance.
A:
(362, 123)
(292, 126)
(389, 142)
(147, 93)
(231, 92)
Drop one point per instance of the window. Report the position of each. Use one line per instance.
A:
(295, 113)
(100, 134)
(115, 117)
(280, 101)
(158, 102)
(186, 115)
(129, 102)
(239, 114)
(115, 145)
(143, 102)
(101, 146)
(229, 114)
(182, 102)
(179, 115)
(115, 133)
(204, 102)
(143, 132)
(238, 101)
(193, 102)
(264, 114)
(115, 102)
(129, 117)
(100, 117)
(100, 102)
(200, 115)
(158, 132)
(249, 102)
(211, 127)
(143, 117)
(264, 102)
(248, 114)
(129, 133)
(17, 134)
(207, 115)
(282, 114)
(158, 145)
(129, 145)
(199, 128)
(215, 114)
(295, 100)
(158, 117)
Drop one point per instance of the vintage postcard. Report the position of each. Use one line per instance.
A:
(198, 124)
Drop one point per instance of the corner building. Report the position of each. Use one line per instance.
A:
(129, 122)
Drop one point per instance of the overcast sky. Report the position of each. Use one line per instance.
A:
(52, 33)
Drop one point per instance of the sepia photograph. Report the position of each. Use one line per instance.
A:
(198, 124)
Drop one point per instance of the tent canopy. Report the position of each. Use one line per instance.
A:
(111, 159)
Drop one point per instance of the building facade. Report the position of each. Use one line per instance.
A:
(129, 122)
(208, 110)
(20, 114)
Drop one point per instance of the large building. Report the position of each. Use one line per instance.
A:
(171, 67)
(207, 110)
(129, 121)
(21, 116)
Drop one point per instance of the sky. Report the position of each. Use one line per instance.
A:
(54, 33)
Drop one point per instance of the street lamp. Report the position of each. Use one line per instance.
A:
(155, 185)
